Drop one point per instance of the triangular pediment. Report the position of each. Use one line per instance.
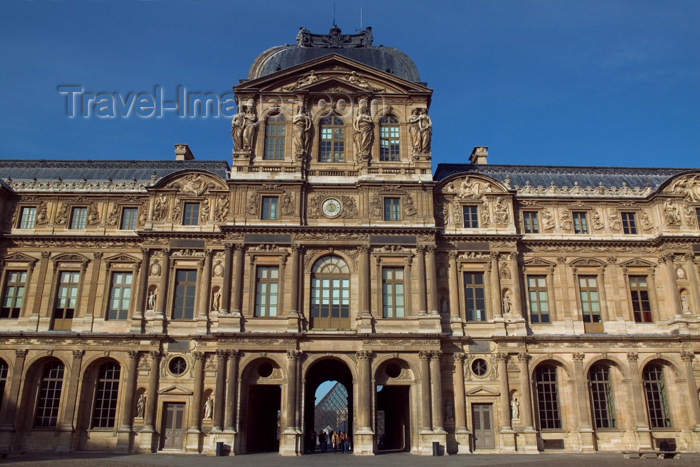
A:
(637, 262)
(539, 262)
(482, 391)
(122, 258)
(328, 73)
(20, 258)
(71, 258)
(176, 389)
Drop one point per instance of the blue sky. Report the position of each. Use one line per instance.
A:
(596, 82)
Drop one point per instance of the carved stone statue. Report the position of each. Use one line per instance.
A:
(251, 125)
(302, 132)
(685, 303)
(237, 126)
(364, 132)
(515, 407)
(672, 213)
(507, 304)
(414, 129)
(449, 408)
(216, 302)
(152, 296)
(208, 408)
(426, 130)
(140, 406)
(500, 212)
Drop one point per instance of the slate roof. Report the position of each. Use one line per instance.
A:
(103, 169)
(545, 175)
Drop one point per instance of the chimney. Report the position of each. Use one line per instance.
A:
(479, 154)
(183, 153)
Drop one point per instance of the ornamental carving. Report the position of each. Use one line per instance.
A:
(161, 208)
(42, 217)
(244, 127)
(615, 222)
(306, 80)
(597, 221)
(500, 211)
(689, 186)
(90, 186)
(62, 214)
(113, 216)
(409, 208)
(547, 220)
(363, 136)
(205, 210)
(645, 221)
(93, 216)
(565, 221)
(375, 207)
(286, 204)
(221, 209)
(672, 213)
(177, 210)
(589, 192)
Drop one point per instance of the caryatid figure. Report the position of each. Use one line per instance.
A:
(302, 132)
(364, 131)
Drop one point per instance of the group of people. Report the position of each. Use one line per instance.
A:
(339, 441)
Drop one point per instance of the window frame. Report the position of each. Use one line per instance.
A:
(190, 215)
(135, 218)
(661, 410)
(530, 227)
(264, 308)
(24, 222)
(64, 323)
(4, 373)
(629, 222)
(338, 280)
(602, 397)
(473, 216)
(389, 136)
(106, 396)
(638, 302)
(588, 290)
(538, 291)
(390, 309)
(336, 127)
(78, 222)
(582, 218)
(274, 144)
(392, 208)
(548, 397)
(180, 314)
(266, 213)
(5, 284)
(50, 381)
(121, 313)
(475, 287)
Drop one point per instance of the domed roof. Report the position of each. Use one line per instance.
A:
(356, 47)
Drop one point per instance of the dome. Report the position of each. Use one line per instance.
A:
(356, 47)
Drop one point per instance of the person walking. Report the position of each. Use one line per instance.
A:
(335, 440)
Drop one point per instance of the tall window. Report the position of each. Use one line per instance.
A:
(105, 409)
(392, 209)
(530, 224)
(332, 140)
(129, 218)
(601, 397)
(475, 305)
(190, 215)
(580, 224)
(640, 299)
(590, 302)
(274, 138)
(471, 217)
(539, 304)
(78, 218)
(3, 379)
(629, 226)
(185, 288)
(27, 217)
(120, 295)
(266, 285)
(547, 398)
(657, 403)
(269, 208)
(49, 395)
(392, 292)
(388, 139)
(13, 295)
(330, 294)
(66, 300)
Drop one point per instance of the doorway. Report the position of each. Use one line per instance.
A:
(393, 430)
(263, 418)
(482, 423)
(173, 425)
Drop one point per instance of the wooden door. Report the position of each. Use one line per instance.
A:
(482, 423)
(173, 425)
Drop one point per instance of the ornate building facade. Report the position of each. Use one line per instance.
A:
(172, 305)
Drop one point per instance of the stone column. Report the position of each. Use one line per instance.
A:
(553, 309)
(604, 312)
(456, 323)
(364, 435)
(124, 433)
(420, 263)
(204, 294)
(290, 437)
(461, 431)
(231, 381)
(238, 280)
(496, 288)
(517, 291)
(151, 393)
(219, 397)
(39, 292)
(642, 431)
(226, 289)
(65, 435)
(141, 293)
(193, 430)
(694, 282)
(585, 429)
(294, 292)
(10, 405)
(504, 398)
(672, 286)
(530, 434)
(426, 425)
(687, 358)
(163, 288)
(431, 284)
(436, 378)
(364, 275)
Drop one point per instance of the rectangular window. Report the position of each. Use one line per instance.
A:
(471, 217)
(580, 225)
(547, 397)
(602, 398)
(13, 295)
(530, 224)
(389, 139)
(392, 209)
(266, 286)
(269, 208)
(640, 299)
(629, 226)
(66, 301)
(191, 214)
(274, 138)
(539, 303)
(475, 304)
(332, 148)
(185, 289)
(392, 292)
(27, 217)
(78, 218)
(106, 394)
(129, 216)
(590, 302)
(120, 295)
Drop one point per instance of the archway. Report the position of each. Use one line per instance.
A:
(333, 411)
(393, 417)
(261, 396)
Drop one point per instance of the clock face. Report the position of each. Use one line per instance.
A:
(331, 207)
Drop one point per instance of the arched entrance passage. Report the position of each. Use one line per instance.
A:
(330, 369)
(261, 395)
(394, 379)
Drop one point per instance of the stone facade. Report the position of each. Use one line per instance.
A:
(154, 305)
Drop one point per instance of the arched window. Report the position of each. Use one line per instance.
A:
(105, 408)
(332, 140)
(330, 294)
(601, 397)
(274, 138)
(49, 395)
(3, 379)
(547, 398)
(389, 138)
(657, 403)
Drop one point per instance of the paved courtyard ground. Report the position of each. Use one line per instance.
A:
(329, 459)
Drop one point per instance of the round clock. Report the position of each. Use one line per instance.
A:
(331, 207)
